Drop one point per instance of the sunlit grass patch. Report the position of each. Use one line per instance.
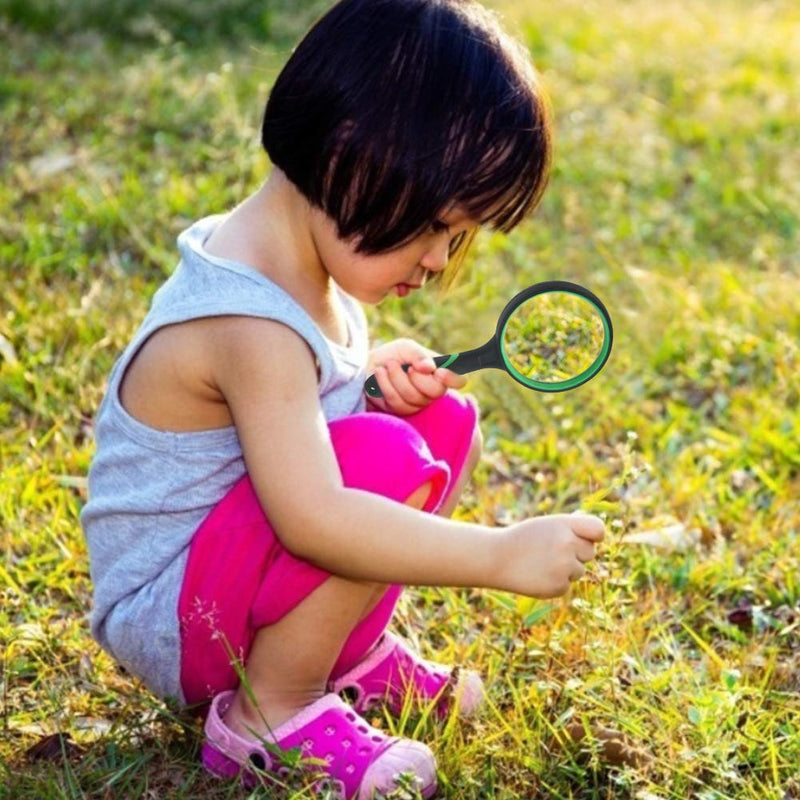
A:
(672, 670)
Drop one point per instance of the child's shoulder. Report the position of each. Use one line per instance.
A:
(229, 240)
(173, 381)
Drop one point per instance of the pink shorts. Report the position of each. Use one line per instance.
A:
(239, 577)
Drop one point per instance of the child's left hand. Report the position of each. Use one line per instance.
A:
(406, 392)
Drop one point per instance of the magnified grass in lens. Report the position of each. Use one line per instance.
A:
(553, 337)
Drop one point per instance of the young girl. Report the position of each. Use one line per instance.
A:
(246, 503)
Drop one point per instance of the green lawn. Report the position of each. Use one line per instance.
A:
(675, 197)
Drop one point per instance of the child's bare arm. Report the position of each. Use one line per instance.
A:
(267, 375)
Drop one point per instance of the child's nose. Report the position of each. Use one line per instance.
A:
(436, 258)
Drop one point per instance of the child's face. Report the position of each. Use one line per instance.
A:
(371, 278)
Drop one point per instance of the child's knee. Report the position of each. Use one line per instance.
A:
(419, 497)
(385, 455)
(475, 449)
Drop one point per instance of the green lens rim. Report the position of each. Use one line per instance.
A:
(570, 383)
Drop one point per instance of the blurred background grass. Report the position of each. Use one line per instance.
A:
(674, 197)
(198, 23)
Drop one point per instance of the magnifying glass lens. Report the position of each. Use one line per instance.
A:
(553, 338)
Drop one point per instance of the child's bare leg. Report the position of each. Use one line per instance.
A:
(447, 508)
(290, 662)
(475, 449)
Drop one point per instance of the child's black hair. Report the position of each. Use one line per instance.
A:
(390, 110)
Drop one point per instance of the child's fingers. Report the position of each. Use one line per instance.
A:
(391, 399)
(407, 351)
(377, 403)
(428, 384)
(433, 385)
(404, 389)
(450, 379)
(585, 550)
(587, 526)
(408, 391)
(425, 365)
(577, 572)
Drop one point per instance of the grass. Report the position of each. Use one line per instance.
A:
(674, 198)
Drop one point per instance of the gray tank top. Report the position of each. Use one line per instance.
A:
(149, 490)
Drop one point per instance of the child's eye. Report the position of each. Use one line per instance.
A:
(437, 226)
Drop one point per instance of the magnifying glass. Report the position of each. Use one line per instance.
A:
(551, 337)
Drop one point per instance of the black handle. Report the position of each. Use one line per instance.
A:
(462, 363)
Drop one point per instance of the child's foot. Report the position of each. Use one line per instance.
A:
(391, 671)
(355, 758)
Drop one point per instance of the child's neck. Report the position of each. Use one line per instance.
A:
(270, 232)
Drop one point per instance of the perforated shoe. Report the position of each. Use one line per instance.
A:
(350, 756)
(391, 671)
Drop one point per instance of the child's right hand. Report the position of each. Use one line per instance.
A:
(542, 555)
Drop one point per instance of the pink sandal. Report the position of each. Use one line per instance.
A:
(356, 759)
(390, 671)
